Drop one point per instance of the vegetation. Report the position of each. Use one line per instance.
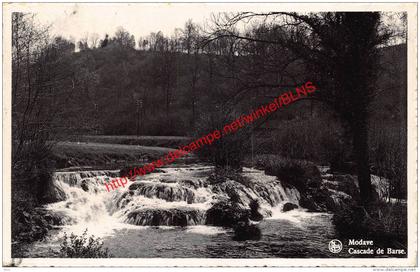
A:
(82, 247)
(300, 174)
(68, 154)
(386, 222)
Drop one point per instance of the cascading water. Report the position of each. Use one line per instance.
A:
(164, 214)
(87, 204)
(173, 197)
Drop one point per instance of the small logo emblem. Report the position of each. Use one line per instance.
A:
(335, 246)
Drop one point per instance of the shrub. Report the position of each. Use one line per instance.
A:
(389, 157)
(82, 247)
(228, 151)
(382, 221)
(393, 216)
(306, 139)
(221, 174)
(299, 173)
(355, 221)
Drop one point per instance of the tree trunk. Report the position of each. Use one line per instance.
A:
(361, 156)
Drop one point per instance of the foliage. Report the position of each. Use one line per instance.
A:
(227, 152)
(389, 160)
(303, 138)
(82, 247)
(384, 221)
(301, 174)
(221, 174)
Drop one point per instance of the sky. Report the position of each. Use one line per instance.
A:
(76, 20)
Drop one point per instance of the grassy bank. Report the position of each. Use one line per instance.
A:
(103, 155)
(160, 141)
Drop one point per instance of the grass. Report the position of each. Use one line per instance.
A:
(80, 154)
(160, 141)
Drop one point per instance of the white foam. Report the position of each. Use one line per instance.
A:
(206, 230)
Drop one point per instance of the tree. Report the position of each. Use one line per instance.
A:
(340, 50)
(105, 41)
(191, 43)
(41, 75)
(124, 39)
(83, 42)
(190, 34)
(93, 40)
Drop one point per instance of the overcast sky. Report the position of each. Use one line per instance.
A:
(78, 19)
(75, 20)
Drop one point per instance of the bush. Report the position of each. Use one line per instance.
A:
(301, 174)
(31, 186)
(382, 221)
(389, 157)
(80, 247)
(228, 151)
(355, 221)
(306, 139)
(393, 216)
(221, 174)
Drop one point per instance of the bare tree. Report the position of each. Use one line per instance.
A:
(124, 39)
(93, 40)
(38, 71)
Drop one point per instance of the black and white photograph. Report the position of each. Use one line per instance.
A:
(203, 134)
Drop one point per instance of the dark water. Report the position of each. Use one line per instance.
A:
(295, 234)
(301, 235)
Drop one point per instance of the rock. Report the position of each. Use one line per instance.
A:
(125, 171)
(245, 231)
(55, 218)
(226, 214)
(347, 184)
(193, 184)
(307, 202)
(289, 206)
(255, 214)
(216, 179)
(84, 186)
(168, 192)
(168, 180)
(53, 193)
(165, 217)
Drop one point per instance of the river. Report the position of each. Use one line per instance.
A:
(123, 218)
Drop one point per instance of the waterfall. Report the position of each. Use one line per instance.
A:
(172, 197)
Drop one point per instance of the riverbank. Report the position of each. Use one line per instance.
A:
(103, 155)
(183, 194)
(167, 214)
